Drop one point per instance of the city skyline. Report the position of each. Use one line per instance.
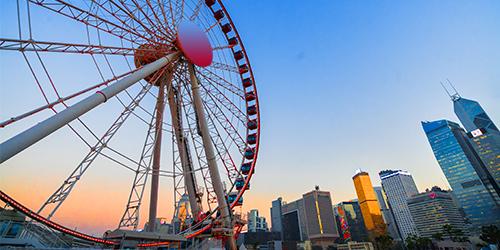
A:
(322, 122)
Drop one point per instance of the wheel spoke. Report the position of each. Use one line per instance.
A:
(98, 22)
(43, 46)
(64, 190)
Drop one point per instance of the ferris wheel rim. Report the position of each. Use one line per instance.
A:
(255, 117)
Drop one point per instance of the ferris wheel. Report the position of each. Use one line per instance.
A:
(176, 69)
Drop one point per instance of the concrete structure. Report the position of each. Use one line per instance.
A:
(370, 209)
(399, 186)
(356, 246)
(392, 230)
(256, 223)
(432, 210)
(310, 219)
(471, 182)
(293, 218)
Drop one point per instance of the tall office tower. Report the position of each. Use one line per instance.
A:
(399, 186)
(486, 144)
(466, 173)
(392, 230)
(370, 208)
(483, 135)
(350, 219)
(276, 211)
(471, 114)
(256, 223)
(320, 221)
(432, 210)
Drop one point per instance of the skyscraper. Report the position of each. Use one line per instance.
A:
(432, 210)
(486, 144)
(276, 211)
(471, 114)
(483, 135)
(468, 177)
(370, 208)
(398, 186)
(386, 213)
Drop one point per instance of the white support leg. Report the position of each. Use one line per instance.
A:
(209, 152)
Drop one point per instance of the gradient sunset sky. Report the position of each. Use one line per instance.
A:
(342, 85)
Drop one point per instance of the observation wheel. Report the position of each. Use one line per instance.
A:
(159, 91)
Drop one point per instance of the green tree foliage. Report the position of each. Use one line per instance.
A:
(454, 234)
(384, 241)
(490, 234)
(414, 242)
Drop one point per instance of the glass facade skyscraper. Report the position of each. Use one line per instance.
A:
(464, 170)
(471, 114)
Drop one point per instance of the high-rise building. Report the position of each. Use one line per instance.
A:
(310, 218)
(471, 114)
(486, 144)
(483, 135)
(256, 223)
(276, 211)
(432, 210)
(392, 230)
(466, 173)
(350, 221)
(294, 221)
(320, 220)
(370, 209)
(398, 186)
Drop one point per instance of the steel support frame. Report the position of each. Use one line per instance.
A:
(130, 217)
(60, 195)
(190, 184)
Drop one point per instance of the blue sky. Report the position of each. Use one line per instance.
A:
(344, 85)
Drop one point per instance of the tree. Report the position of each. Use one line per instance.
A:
(384, 241)
(414, 242)
(490, 234)
(424, 243)
(437, 236)
(454, 234)
(411, 242)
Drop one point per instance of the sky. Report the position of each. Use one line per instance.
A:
(343, 85)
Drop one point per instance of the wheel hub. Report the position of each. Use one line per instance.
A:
(194, 44)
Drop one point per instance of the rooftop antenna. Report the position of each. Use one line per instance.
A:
(456, 95)
(445, 89)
